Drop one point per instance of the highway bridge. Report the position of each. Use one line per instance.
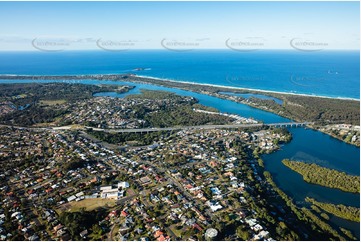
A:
(147, 130)
(225, 126)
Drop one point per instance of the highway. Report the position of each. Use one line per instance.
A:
(225, 126)
(146, 130)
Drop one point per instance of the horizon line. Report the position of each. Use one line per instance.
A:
(179, 50)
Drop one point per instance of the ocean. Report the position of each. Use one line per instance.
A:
(322, 73)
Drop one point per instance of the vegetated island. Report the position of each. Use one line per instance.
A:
(306, 215)
(315, 174)
(339, 210)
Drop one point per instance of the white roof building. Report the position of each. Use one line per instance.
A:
(71, 198)
(123, 184)
(79, 194)
(105, 188)
(211, 233)
(110, 193)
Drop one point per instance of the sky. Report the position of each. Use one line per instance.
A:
(179, 25)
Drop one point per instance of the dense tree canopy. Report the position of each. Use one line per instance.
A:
(313, 173)
(339, 210)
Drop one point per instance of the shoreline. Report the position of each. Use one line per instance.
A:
(246, 89)
(114, 77)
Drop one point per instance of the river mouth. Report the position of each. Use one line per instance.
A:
(307, 144)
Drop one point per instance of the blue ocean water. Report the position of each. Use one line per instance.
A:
(324, 73)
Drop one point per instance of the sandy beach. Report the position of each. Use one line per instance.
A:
(245, 89)
(114, 77)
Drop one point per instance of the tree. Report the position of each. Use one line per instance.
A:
(97, 231)
(227, 218)
(243, 233)
(190, 214)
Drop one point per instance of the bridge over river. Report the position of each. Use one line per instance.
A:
(225, 126)
(147, 130)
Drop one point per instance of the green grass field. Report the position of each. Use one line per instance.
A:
(52, 102)
(88, 204)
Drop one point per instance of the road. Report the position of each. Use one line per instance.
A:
(178, 185)
(145, 130)
(221, 126)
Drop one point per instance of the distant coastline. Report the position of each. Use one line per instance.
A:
(247, 89)
(133, 77)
